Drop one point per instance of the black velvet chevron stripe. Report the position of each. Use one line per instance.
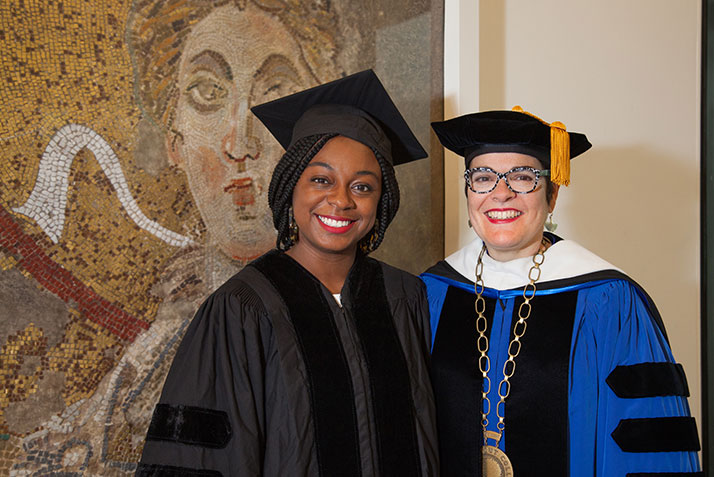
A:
(388, 372)
(648, 380)
(660, 434)
(190, 425)
(154, 470)
(330, 382)
(665, 474)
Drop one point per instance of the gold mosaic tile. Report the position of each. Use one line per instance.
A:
(124, 136)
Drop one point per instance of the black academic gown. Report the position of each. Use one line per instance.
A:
(273, 378)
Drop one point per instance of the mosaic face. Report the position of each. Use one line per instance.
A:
(106, 251)
(228, 156)
(80, 383)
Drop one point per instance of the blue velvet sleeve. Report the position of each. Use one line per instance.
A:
(614, 327)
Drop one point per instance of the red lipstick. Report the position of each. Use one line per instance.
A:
(328, 223)
(502, 216)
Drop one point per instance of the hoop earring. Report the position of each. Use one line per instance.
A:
(293, 230)
(370, 244)
(550, 226)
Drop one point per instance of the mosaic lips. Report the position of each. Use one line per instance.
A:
(243, 191)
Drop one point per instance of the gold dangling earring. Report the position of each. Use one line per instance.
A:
(550, 226)
(370, 244)
(294, 232)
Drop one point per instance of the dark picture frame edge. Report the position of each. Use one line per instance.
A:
(707, 233)
(437, 114)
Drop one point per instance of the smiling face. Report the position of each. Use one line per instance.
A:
(510, 224)
(335, 200)
(226, 67)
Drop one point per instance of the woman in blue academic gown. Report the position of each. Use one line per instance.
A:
(546, 359)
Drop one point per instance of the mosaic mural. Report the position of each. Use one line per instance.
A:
(133, 182)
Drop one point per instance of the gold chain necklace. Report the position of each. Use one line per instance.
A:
(495, 462)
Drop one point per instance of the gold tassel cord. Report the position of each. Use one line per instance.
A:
(559, 149)
(559, 154)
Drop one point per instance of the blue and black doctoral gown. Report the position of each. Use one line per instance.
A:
(274, 378)
(596, 390)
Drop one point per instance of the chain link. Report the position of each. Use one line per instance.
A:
(514, 347)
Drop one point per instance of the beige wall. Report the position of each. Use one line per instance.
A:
(626, 73)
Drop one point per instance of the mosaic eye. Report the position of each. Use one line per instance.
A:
(206, 94)
(277, 77)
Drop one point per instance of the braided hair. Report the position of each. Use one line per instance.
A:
(287, 173)
(388, 205)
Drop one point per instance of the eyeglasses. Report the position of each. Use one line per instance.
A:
(520, 180)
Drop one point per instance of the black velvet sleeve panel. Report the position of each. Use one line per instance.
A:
(648, 380)
(154, 470)
(190, 425)
(660, 434)
(211, 411)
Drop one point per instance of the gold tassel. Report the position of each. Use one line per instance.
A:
(559, 149)
(559, 154)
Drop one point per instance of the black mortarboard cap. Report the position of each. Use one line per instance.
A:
(356, 106)
(513, 131)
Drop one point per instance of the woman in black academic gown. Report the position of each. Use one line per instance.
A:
(312, 359)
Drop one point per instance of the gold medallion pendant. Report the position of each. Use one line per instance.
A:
(495, 462)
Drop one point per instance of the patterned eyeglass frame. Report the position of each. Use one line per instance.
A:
(502, 175)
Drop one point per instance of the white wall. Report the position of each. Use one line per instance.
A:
(626, 73)
(461, 96)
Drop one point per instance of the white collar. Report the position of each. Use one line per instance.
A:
(564, 259)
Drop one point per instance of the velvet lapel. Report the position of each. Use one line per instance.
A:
(331, 394)
(388, 372)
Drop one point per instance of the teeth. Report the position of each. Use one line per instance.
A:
(332, 222)
(503, 214)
